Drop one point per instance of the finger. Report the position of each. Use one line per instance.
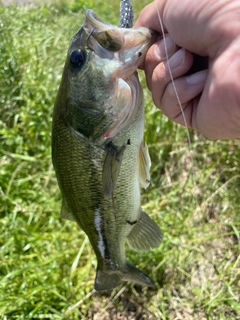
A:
(188, 94)
(176, 66)
(184, 23)
(149, 16)
(158, 52)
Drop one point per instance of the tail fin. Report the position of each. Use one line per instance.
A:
(110, 279)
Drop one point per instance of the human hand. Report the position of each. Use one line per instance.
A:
(211, 97)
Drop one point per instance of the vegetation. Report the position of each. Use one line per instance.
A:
(47, 264)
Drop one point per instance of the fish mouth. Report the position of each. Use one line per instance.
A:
(107, 35)
(127, 45)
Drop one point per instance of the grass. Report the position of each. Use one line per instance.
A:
(47, 264)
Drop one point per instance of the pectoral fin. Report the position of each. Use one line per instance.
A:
(111, 168)
(65, 212)
(144, 163)
(145, 234)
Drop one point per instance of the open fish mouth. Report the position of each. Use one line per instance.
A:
(128, 46)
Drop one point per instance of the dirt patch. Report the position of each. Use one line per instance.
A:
(126, 307)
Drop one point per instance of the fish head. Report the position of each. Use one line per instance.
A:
(101, 53)
(100, 92)
(125, 47)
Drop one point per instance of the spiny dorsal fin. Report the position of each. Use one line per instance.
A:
(145, 234)
(111, 168)
(144, 163)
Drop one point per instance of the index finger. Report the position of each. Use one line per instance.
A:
(149, 16)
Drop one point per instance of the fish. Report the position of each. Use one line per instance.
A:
(98, 149)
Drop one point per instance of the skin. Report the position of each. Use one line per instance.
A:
(210, 97)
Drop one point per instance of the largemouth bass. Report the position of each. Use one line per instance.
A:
(98, 152)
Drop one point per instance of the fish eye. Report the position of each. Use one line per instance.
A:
(77, 58)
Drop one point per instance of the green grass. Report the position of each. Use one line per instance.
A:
(47, 264)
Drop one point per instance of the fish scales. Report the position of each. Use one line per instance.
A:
(97, 146)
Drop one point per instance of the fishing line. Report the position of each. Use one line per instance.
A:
(172, 80)
(179, 103)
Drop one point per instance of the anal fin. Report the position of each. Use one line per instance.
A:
(145, 234)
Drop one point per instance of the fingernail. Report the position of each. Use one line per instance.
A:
(197, 78)
(164, 45)
(176, 60)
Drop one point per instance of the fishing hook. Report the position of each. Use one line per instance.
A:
(87, 40)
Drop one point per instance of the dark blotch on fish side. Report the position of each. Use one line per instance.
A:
(131, 222)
